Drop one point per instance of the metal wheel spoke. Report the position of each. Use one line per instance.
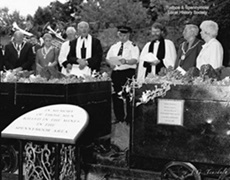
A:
(174, 174)
(189, 175)
(180, 171)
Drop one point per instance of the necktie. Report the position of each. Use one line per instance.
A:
(83, 50)
(120, 50)
(18, 47)
(18, 50)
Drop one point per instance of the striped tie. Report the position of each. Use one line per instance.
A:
(120, 50)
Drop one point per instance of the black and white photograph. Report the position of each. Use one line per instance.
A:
(115, 89)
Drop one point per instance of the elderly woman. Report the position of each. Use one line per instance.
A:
(212, 51)
(189, 49)
(47, 55)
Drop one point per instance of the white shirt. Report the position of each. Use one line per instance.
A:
(211, 53)
(88, 45)
(169, 59)
(63, 52)
(130, 51)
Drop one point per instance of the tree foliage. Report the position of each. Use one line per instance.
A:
(219, 12)
(105, 15)
(43, 15)
(7, 19)
(116, 12)
(159, 10)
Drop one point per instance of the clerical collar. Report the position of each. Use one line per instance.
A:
(84, 37)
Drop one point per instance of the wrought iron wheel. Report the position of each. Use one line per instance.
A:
(9, 159)
(180, 171)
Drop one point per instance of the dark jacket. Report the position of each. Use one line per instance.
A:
(25, 60)
(94, 61)
(190, 54)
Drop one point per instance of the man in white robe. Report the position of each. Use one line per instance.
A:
(65, 47)
(156, 54)
(85, 54)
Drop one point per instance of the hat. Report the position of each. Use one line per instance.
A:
(124, 29)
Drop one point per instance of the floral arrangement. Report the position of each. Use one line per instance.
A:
(206, 76)
(152, 94)
(30, 77)
(128, 90)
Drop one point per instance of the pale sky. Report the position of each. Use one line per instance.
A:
(26, 7)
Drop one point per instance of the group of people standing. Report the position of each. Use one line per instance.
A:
(193, 52)
(83, 53)
(158, 53)
(196, 52)
(20, 54)
(78, 55)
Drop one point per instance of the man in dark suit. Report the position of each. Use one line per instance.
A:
(18, 54)
(85, 53)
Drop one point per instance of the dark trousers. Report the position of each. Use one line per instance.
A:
(119, 78)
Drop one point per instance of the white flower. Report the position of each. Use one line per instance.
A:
(127, 89)
(145, 96)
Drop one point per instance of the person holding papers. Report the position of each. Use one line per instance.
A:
(122, 58)
(158, 53)
(189, 49)
(85, 54)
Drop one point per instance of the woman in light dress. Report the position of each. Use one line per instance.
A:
(47, 56)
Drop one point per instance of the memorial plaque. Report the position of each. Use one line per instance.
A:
(170, 112)
(60, 123)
